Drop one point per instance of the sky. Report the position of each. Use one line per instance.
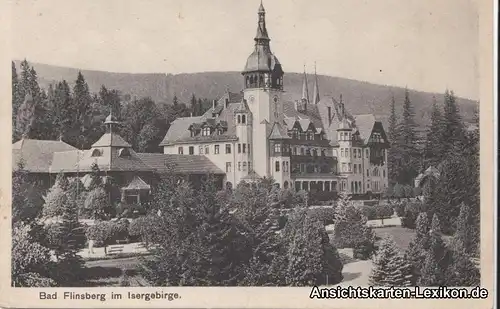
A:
(428, 45)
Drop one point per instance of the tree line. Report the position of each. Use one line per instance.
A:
(451, 148)
(76, 115)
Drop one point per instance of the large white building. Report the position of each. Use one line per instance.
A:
(303, 144)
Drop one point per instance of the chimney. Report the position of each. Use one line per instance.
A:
(329, 116)
(213, 103)
(226, 103)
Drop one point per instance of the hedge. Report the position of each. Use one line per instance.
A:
(325, 215)
(411, 211)
(108, 232)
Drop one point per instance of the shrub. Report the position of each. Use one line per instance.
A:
(365, 248)
(411, 213)
(400, 209)
(97, 204)
(144, 228)
(383, 211)
(368, 211)
(324, 215)
(108, 232)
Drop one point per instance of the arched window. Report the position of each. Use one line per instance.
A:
(239, 118)
(124, 152)
(277, 166)
(285, 184)
(96, 153)
(205, 131)
(284, 166)
(243, 119)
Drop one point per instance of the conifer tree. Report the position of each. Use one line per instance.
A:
(435, 225)
(194, 106)
(434, 151)
(389, 266)
(408, 143)
(82, 103)
(465, 232)
(96, 180)
(422, 228)
(63, 109)
(462, 271)
(16, 100)
(415, 255)
(431, 274)
(393, 157)
(453, 130)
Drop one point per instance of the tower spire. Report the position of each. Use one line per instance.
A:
(305, 89)
(262, 38)
(316, 97)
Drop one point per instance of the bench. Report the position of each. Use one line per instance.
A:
(115, 249)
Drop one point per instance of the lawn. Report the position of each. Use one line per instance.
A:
(402, 236)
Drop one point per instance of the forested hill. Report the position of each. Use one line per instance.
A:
(360, 97)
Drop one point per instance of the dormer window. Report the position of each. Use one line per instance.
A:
(123, 152)
(96, 153)
(205, 131)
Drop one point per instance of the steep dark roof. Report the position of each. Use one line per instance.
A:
(179, 130)
(111, 139)
(181, 164)
(37, 155)
(278, 132)
(82, 160)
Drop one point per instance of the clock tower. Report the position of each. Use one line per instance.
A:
(263, 87)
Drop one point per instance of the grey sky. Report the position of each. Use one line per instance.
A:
(427, 45)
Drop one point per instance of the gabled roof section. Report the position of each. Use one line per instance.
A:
(111, 140)
(179, 129)
(137, 184)
(364, 124)
(179, 164)
(37, 155)
(81, 160)
(278, 132)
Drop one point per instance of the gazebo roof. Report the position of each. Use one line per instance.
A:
(137, 184)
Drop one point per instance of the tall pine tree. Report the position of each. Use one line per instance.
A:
(390, 268)
(408, 143)
(82, 108)
(393, 155)
(434, 151)
(453, 130)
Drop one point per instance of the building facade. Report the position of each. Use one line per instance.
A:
(303, 144)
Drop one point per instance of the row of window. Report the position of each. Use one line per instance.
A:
(286, 167)
(354, 152)
(242, 166)
(308, 136)
(242, 119)
(308, 151)
(345, 136)
(207, 131)
(312, 168)
(376, 137)
(205, 149)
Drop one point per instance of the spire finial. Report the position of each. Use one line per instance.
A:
(261, 7)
